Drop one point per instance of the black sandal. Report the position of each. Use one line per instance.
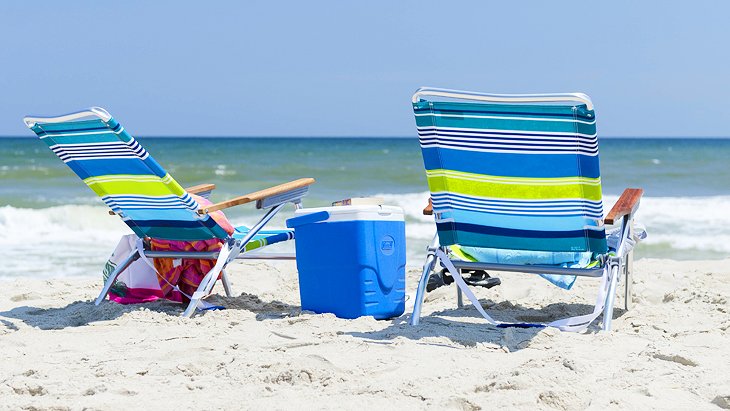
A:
(480, 278)
(438, 279)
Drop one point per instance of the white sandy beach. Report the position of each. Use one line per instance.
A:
(671, 351)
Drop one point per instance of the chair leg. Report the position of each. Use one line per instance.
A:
(610, 298)
(228, 252)
(114, 274)
(629, 281)
(255, 229)
(421, 291)
(202, 291)
(207, 283)
(459, 298)
(226, 283)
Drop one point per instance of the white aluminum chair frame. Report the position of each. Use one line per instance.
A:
(615, 265)
(232, 249)
(502, 98)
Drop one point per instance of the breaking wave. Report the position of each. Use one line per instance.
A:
(76, 240)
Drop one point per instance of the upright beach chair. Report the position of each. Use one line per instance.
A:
(520, 172)
(137, 189)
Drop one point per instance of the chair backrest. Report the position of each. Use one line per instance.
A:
(116, 167)
(520, 176)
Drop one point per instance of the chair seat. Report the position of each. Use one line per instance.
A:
(537, 258)
(264, 237)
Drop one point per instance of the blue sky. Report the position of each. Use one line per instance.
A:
(344, 68)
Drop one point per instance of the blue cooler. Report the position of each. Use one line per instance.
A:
(351, 260)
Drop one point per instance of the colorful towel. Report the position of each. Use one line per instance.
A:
(187, 273)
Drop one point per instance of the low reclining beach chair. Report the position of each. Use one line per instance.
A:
(520, 173)
(137, 189)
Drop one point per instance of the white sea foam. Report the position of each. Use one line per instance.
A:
(222, 170)
(418, 226)
(57, 241)
(686, 224)
(75, 240)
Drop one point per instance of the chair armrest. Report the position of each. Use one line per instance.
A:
(429, 207)
(627, 204)
(258, 195)
(200, 188)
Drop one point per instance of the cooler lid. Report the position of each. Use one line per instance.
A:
(346, 213)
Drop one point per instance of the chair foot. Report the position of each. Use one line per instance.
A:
(114, 274)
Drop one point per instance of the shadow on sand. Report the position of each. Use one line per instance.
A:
(463, 326)
(466, 327)
(82, 313)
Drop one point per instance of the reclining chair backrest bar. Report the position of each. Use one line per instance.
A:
(116, 167)
(521, 176)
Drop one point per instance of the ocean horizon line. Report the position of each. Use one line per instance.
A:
(376, 137)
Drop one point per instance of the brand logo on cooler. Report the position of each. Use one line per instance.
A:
(387, 245)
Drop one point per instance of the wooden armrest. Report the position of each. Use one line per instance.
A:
(626, 205)
(258, 195)
(429, 208)
(200, 188)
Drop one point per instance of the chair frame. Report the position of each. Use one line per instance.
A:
(271, 199)
(611, 266)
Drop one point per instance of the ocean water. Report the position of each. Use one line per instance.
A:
(52, 225)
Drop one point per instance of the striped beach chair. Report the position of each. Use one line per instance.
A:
(520, 173)
(138, 190)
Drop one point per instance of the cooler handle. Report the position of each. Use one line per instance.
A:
(307, 219)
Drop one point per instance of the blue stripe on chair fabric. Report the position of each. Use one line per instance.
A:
(552, 241)
(518, 222)
(507, 141)
(98, 167)
(509, 164)
(69, 152)
(149, 202)
(513, 176)
(507, 117)
(518, 209)
(141, 214)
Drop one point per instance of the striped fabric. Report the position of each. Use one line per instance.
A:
(118, 169)
(513, 176)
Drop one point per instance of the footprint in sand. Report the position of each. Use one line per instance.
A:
(554, 400)
(25, 297)
(7, 327)
(675, 358)
(32, 390)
